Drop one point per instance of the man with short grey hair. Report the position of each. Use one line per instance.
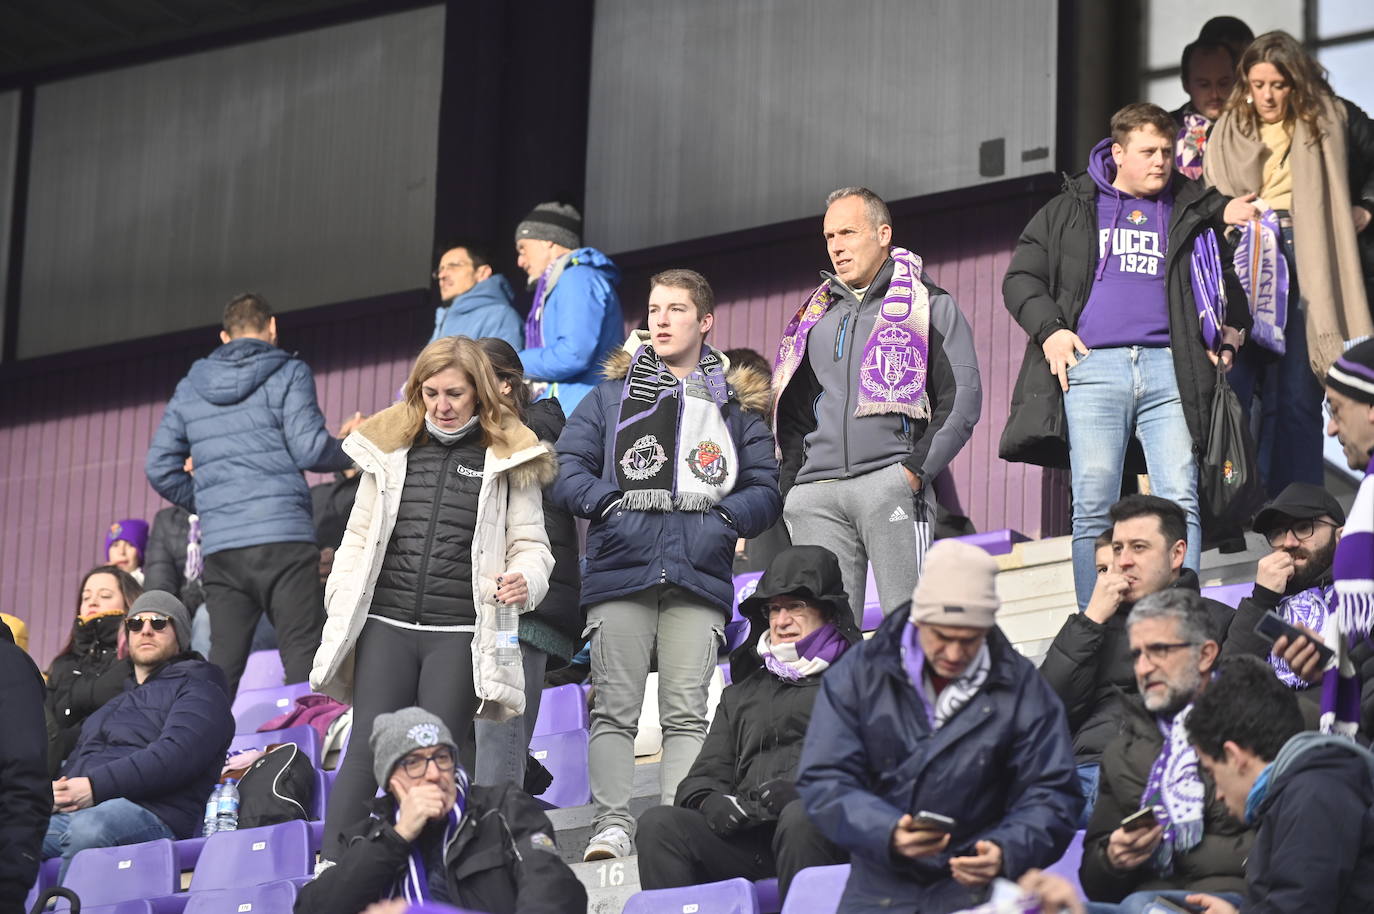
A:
(876, 389)
(1186, 842)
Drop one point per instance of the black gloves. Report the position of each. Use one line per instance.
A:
(776, 794)
(723, 814)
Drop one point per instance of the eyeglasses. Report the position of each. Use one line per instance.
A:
(415, 766)
(1301, 529)
(136, 625)
(1158, 653)
(793, 607)
(450, 267)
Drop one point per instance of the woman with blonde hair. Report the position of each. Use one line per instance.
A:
(1309, 156)
(446, 528)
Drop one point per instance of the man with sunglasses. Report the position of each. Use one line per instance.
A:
(147, 759)
(1303, 525)
(1191, 844)
(433, 837)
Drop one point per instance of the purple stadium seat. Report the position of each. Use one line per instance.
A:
(817, 890)
(263, 671)
(737, 629)
(437, 907)
(731, 896)
(766, 891)
(271, 898)
(188, 853)
(873, 610)
(304, 736)
(135, 906)
(107, 875)
(565, 755)
(255, 707)
(561, 709)
(1067, 865)
(994, 542)
(254, 856)
(324, 782)
(1230, 594)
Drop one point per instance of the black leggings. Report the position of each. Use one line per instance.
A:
(396, 668)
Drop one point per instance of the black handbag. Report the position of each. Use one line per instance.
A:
(1229, 487)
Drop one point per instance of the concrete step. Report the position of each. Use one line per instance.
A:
(609, 883)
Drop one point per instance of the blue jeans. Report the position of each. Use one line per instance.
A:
(1139, 902)
(107, 824)
(1115, 393)
(1290, 423)
(1089, 777)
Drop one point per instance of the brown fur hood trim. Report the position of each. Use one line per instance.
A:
(528, 460)
(752, 389)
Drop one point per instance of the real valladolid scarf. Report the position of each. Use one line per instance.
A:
(892, 372)
(808, 656)
(673, 448)
(534, 323)
(1175, 791)
(413, 883)
(1352, 568)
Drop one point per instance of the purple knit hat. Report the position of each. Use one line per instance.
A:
(132, 531)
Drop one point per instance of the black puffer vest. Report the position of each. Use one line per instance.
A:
(426, 575)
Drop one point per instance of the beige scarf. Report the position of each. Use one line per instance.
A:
(1329, 276)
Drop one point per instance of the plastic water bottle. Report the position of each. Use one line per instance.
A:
(507, 635)
(212, 813)
(228, 812)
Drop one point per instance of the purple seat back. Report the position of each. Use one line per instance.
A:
(1230, 594)
(106, 875)
(136, 906)
(262, 671)
(254, 707)
(737, 629)
(271, 898)
(565, 755)
(304, 736)
(873, 609)
(254, 856)
(817, 890)
(437, 907)
(1067, 865)
(731, 896)
(766, 891)
(324, 782)
(994, 542)
(188, 853)
(561, 709)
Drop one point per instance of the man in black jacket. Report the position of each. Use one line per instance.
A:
(1310, 796)
(877, 389)
(1102, 282)
(738, 812)
(25, 792)
(1089, 662)
(433, 837)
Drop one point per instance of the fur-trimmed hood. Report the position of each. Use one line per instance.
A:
(520, 453)
(753, 390)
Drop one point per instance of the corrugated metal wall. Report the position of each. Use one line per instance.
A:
(74, 430)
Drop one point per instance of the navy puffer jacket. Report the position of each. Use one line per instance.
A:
(248, 417)
(160, 744)
(630, 551)
(1002, 767)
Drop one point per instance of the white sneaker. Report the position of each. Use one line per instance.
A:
(609, 843)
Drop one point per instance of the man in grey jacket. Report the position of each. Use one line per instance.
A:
(877, 388)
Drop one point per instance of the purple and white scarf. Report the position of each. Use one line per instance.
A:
(1353, 571)
(413, 883)
(195, 559)
(534, 323)
(1191, 144)
(1309, 608)
(957, 693)
(1209, 289)
(1263, 273)
(808, 656)
(1175, 791)
(892, 372)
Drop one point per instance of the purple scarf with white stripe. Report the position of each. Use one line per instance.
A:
(1263, 272)
(1352, 569)
(413, 883)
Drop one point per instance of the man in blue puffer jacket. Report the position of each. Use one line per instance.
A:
(936, 754)
(575, 320)
(147, 759)
(672, 464)
(247, 416)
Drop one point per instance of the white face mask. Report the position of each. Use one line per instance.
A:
(449, 437)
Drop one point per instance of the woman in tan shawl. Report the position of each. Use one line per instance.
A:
(1286, 137)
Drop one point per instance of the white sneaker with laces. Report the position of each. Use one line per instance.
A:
(609, 843)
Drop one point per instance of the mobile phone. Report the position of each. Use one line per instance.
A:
(934, 821)
(1139, 820)
(1271, 626)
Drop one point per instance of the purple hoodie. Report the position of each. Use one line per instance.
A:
(1128, 305)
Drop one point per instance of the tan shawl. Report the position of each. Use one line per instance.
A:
(1329, 277)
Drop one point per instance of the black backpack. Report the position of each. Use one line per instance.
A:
(277, 788)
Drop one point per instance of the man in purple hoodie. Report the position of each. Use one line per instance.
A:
(1105, 281)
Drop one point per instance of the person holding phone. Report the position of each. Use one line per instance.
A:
(1157, 829)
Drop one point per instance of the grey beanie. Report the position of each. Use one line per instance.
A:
(399, 733)
(160, 601)
(556, 222)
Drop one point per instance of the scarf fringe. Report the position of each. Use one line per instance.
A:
(648, 500)
(694, 502)
(917, 410)
(1355, 611)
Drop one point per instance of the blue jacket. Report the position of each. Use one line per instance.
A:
(1002, 767)
(629, 551)
(247, 415)
(160, 744)
(484, 310)
(582, 323)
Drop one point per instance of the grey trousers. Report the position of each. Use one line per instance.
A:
(688, 632)
(503, 747)
(870, 518)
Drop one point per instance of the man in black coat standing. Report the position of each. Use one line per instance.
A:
(738, 812)
(25, 791)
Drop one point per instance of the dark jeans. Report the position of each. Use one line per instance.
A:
(676, 847)
(281, 579)
(397, 668)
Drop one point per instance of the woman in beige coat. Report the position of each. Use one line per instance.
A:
(447, 528)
